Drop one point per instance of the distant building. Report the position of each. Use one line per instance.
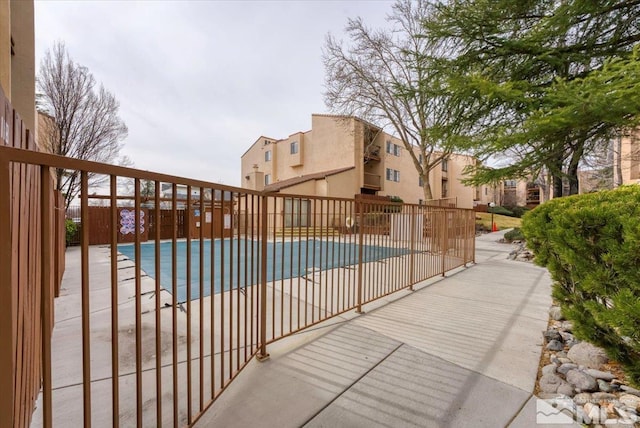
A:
(342, 156)
(17, 58)
(629, 148)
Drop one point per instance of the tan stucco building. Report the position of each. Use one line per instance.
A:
(17, 57)
(342, 156)
(629, 159)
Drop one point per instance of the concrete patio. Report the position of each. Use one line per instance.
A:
(462, 350)
(459, 351)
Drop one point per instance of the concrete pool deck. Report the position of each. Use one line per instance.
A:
(459, 351)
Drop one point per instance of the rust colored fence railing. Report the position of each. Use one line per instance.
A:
(151, 333)
(450, 202)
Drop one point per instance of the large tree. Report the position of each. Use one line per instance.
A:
(556, 79)
(83, 119)
(388, 77)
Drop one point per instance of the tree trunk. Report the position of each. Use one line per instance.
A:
(574, 185)
(617, 162)
(557, 185)
(572, 170)
(547, 186)
(426, 187)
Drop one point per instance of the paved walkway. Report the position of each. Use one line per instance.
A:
(460, 351)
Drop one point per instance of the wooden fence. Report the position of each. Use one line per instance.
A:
(100, 229)
(25, 288)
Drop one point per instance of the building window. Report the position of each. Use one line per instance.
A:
(420, 202)
(267, 156)
(267, 179)
(510, 183)
(486, 191)
(420, 182)
(445, 188)
(445, 165)
(393, 149)
(420, 159)
(294, 147)
(393, 175)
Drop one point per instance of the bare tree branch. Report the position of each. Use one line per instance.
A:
(387, 77)
(84, 121)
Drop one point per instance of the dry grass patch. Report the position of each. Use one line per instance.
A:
(502, 221)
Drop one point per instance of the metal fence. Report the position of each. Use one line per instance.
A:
(151, 333)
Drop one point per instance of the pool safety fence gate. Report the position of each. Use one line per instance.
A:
(124, 347)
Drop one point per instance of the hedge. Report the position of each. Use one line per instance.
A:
(514, 234)
(500, 210)
(591, 246)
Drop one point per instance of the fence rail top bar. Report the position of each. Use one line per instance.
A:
(56, 161)
(39, 158)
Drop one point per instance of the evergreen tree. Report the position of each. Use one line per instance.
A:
(551, 80)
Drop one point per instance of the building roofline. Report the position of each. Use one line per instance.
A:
(346, 116)
(275, 187)
(262, 137)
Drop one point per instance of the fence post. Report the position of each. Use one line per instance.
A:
(262, 353)
(412, 246)
(7, 295)
(360, 223)
(444, 240)
(46, 300)
(473, 240)
(465, 237)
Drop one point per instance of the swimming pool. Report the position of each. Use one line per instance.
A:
(240, 259)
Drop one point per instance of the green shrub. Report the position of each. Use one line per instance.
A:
(518, 211)
(514, 235)
(500, 210)
(395, 206)
(591, 246)
(71, 231)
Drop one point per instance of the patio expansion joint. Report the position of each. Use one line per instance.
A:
(348, 387)
(516, 414)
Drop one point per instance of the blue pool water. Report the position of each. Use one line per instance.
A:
(234, 260)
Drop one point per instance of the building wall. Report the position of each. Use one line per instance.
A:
(409, 189)
(5, 47)
(342, 185)
(17, 69)
(488, 193)
(329, 145)
(337, 142)
(630, 158)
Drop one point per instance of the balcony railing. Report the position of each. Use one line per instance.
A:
(372, 181)
(372, 153)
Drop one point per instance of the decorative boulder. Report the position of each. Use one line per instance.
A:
(585, 354)
(582, 381)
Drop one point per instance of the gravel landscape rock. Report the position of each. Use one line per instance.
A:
(578, 381)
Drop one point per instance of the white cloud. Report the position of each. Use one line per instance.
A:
(198, 82)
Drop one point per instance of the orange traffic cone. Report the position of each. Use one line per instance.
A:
(494, 227)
